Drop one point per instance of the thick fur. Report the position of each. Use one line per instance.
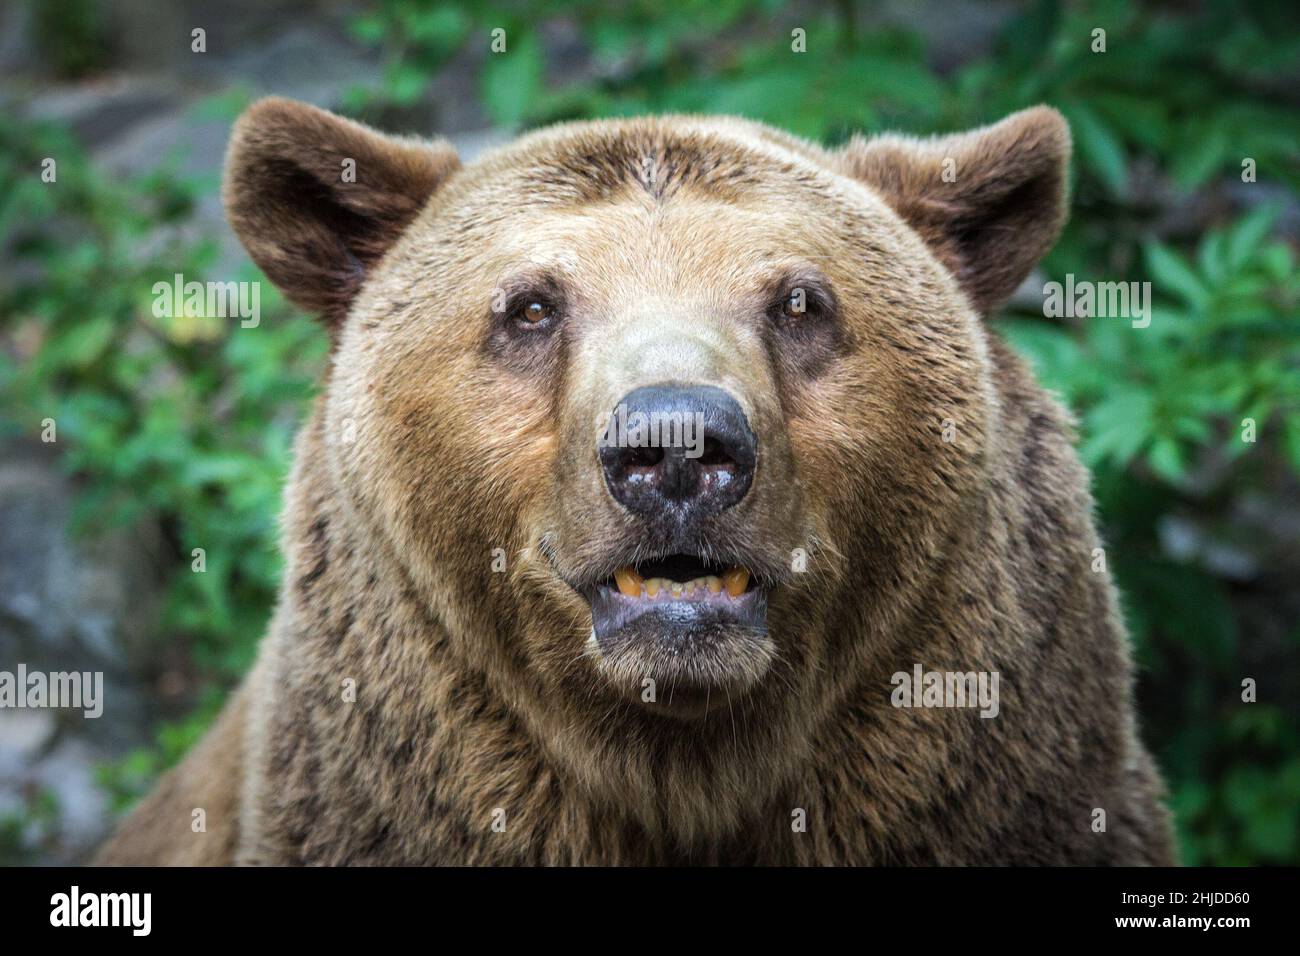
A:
(486, 727)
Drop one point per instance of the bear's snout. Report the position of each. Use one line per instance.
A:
(675, 454)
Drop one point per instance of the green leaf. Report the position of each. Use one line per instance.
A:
(443, 28)
(1174, 275)
(1196, 159)
(1166, 460)
(370, 29)
(1245, 238)
(1211, 257)
(405, 83)
(1099, 148)
(1118, 427)
(88, 342)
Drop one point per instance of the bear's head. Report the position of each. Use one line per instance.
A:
(656, 415)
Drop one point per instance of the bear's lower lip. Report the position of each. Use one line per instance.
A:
(672, 619)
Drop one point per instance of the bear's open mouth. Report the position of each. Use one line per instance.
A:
(680, 577)
(676, 599)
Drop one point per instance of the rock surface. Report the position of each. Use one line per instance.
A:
(68, 603)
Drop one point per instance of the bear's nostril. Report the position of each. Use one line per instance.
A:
(644, 458)
(715, 455)
(678, 453)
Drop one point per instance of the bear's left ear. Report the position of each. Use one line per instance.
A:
(989, 202)
(317, 199)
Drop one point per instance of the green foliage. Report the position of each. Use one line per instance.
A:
(1220, 350)
(27, 836)
(184, 422)
(188, 424)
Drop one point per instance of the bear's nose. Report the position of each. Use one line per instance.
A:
(678, 452)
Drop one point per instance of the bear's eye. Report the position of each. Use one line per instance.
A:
(800, 298)
(533, 312)
(536, 311)
(528, 309)
(800, 302)
(796, 304)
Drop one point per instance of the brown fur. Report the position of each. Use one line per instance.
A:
(162, 828)
(479, 692)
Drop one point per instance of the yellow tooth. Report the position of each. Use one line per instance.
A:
(714, 584)
(677, 589)
(736, 580)
(653, 585)
(629, 582)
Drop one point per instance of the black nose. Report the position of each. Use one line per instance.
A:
(678, 453)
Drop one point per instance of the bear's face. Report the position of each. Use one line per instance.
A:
(675, 411)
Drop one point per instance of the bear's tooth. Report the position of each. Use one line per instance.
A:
(714, 584)
(677, 589)
(653, 586)
(736, 580)
(629, 582)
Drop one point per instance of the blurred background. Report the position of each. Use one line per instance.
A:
(174, 433)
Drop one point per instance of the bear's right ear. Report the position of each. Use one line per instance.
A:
(317, 199)
(989, 202)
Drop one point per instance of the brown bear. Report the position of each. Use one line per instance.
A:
(669, 501)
